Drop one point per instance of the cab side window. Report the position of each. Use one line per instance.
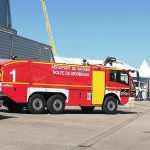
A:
(119, 76)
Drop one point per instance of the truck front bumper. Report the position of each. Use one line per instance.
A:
(130, 105)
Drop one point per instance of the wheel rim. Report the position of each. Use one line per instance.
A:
(111, 105)
(57, 104)
(37, 104)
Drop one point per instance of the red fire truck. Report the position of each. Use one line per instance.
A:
(52, 86)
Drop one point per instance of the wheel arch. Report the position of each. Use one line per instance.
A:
(114, 95)
(47, 95)
(48, 92)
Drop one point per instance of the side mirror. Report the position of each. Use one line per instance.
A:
(137, 74)
(109, 60)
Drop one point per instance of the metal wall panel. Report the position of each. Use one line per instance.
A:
(13, 45)
(5, 45)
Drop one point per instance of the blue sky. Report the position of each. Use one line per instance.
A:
(92, 29)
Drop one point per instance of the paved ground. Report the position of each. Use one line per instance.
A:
(74, 130)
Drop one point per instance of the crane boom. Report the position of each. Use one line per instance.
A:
(48, 27)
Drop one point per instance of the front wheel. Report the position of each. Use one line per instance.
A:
(110, 105)
(56, 104)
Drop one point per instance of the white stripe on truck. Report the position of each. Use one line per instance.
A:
(32, 90)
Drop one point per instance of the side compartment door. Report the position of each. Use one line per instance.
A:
(98, 87)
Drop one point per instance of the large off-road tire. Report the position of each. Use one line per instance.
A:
(87, 109)
(36, 104)
(56, 104)
(110, 105)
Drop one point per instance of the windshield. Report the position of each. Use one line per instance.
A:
(119, 76)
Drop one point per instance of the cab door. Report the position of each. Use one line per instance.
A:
(98, 87)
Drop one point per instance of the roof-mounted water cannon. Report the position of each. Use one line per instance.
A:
(110, 61)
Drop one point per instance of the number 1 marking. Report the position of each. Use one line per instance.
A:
(13, 73)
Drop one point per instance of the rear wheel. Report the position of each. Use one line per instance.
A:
(36, 104)
(56, 104)
(110, 105)
(87, 109)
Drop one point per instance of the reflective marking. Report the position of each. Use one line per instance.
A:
(14, 62)
(16, 83)
(65, 85)
(118, 88)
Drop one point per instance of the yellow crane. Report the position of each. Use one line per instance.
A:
(48, 27)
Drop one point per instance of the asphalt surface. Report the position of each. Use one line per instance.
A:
(75, 130)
